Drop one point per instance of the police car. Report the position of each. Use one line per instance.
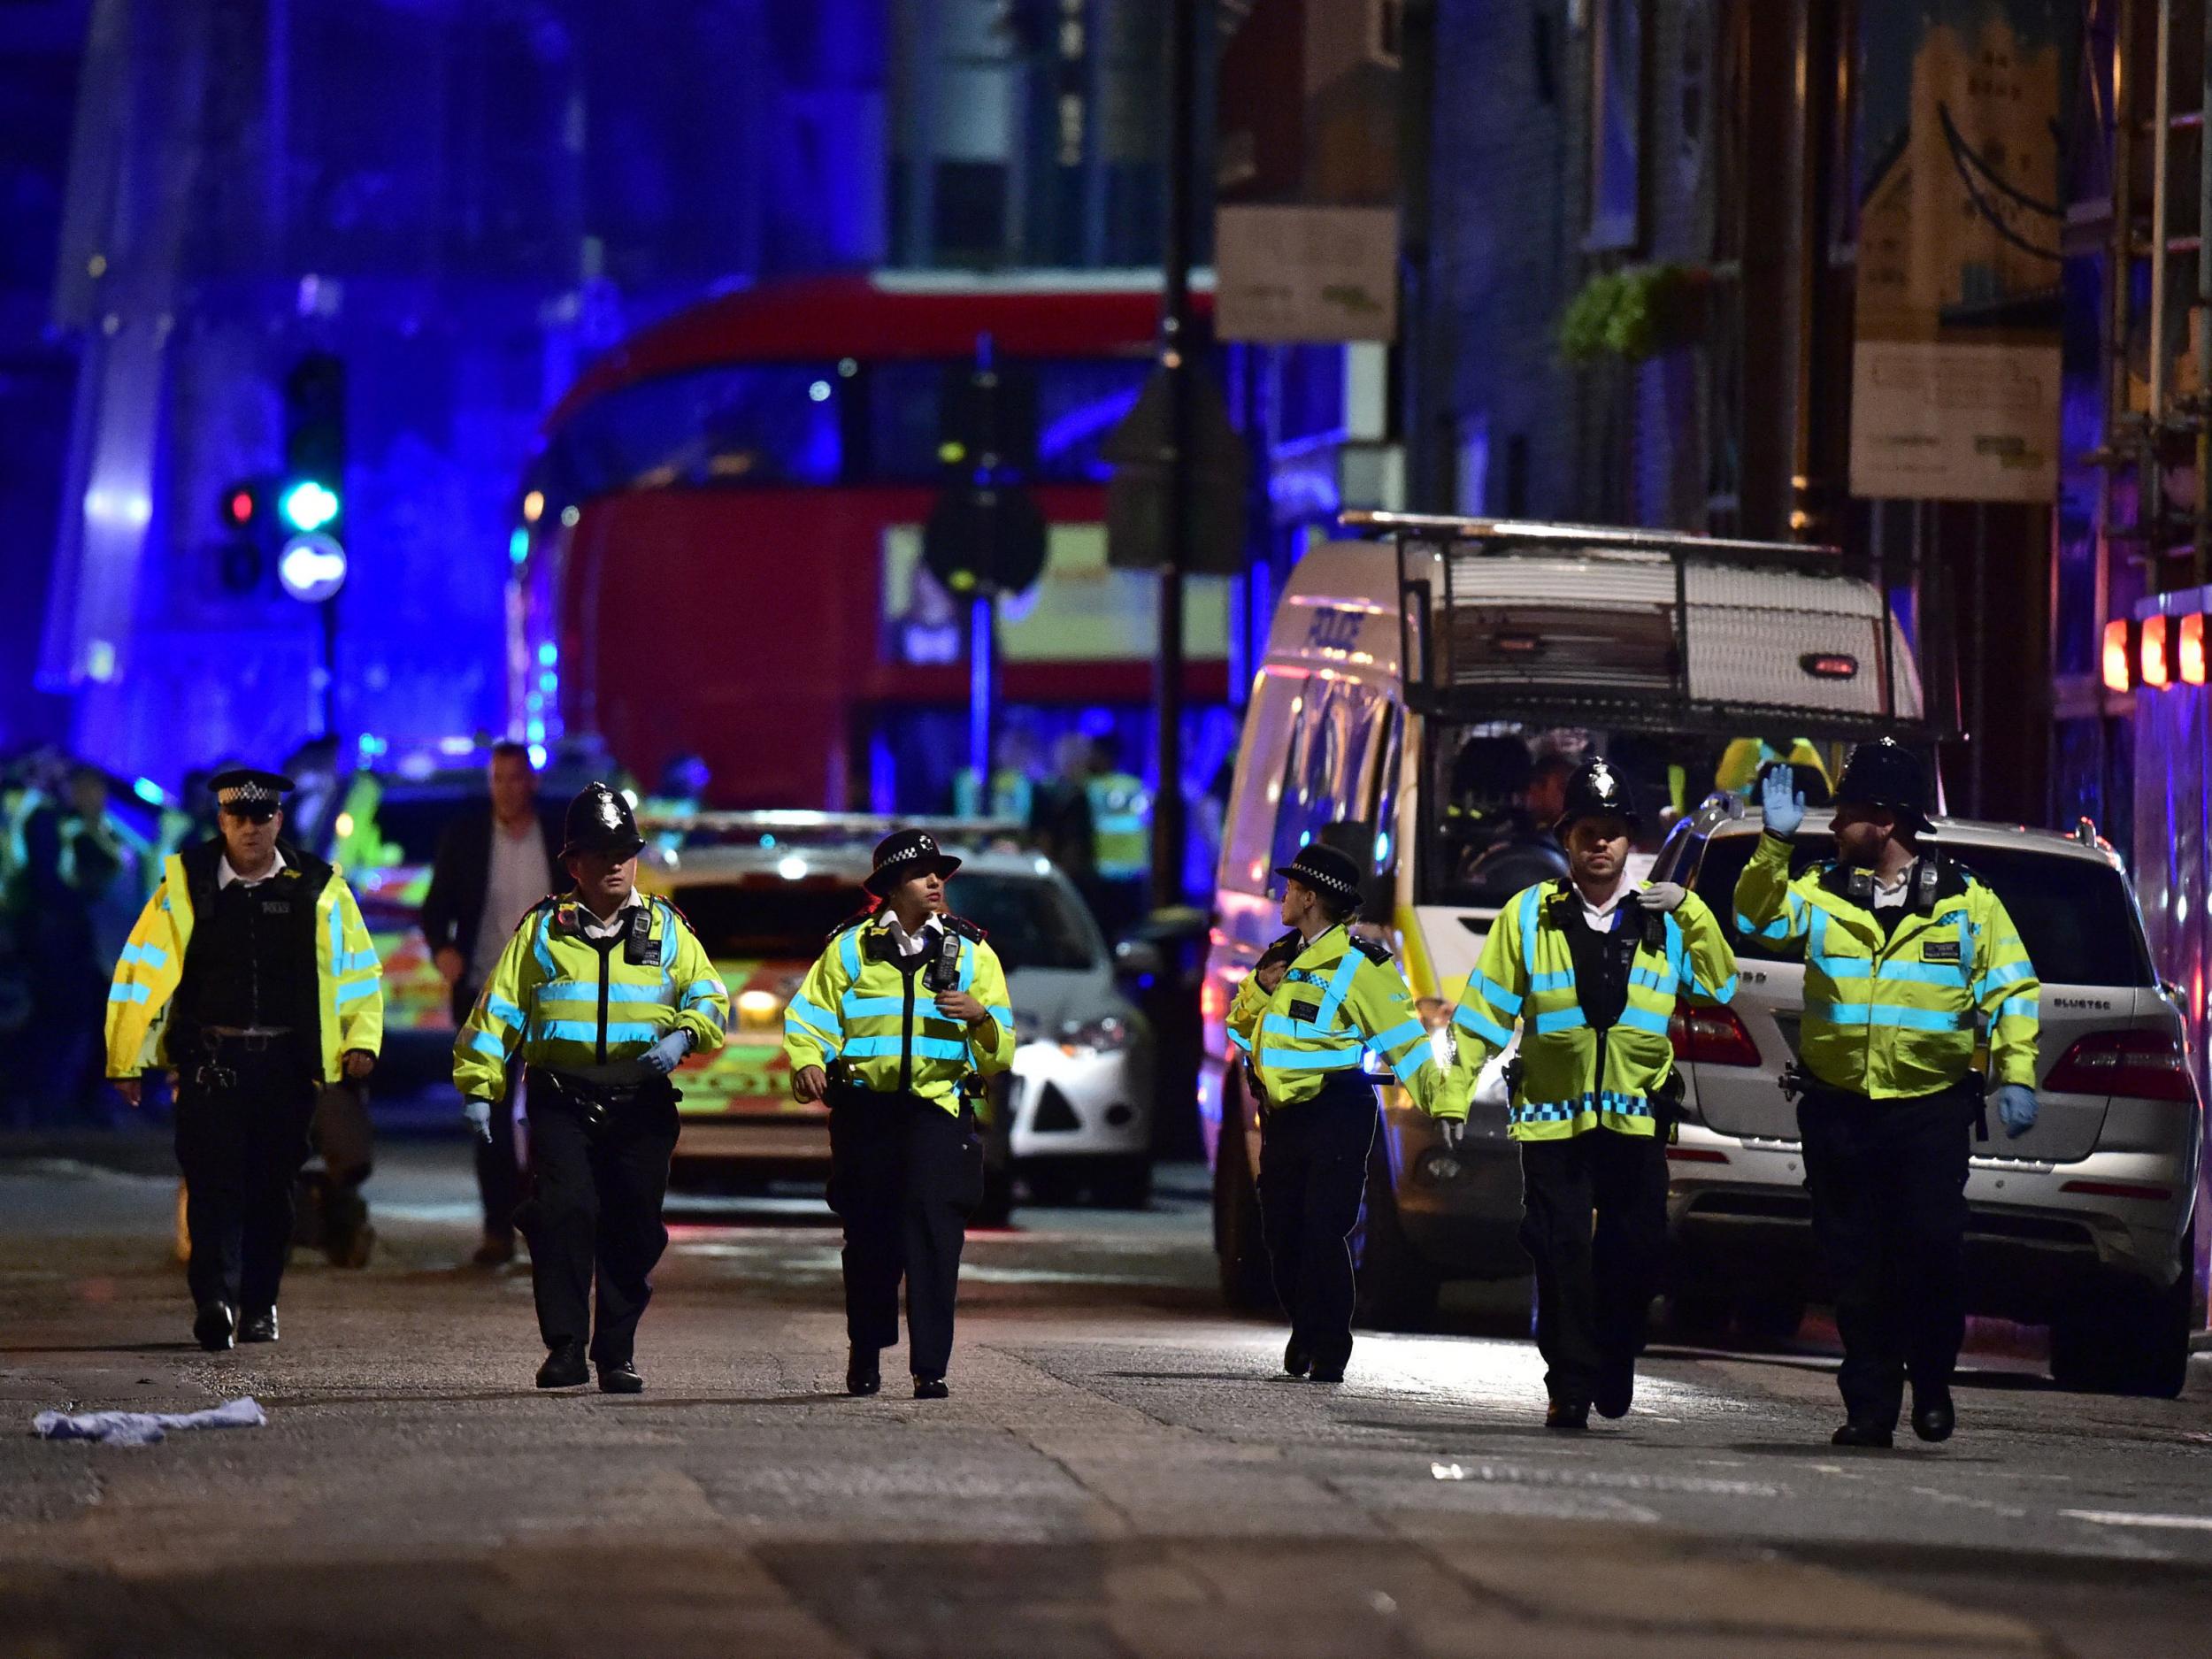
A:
(763, 890)
(2084, 1224)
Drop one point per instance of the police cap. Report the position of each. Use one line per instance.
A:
(904, 854)
(1328, 870)
(249, 791)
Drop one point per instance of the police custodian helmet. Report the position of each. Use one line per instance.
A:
(599, 821)
(1597, 792)
(1887, 774)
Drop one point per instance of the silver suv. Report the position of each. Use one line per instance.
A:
(2085, 1223)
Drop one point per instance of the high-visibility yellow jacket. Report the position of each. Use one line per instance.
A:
(1526, 973)
(1895, 1016)
(1121, 816)
(561, 998)
(859, 1006)
(1341, 1000)
(348, 983)
(1741, 761)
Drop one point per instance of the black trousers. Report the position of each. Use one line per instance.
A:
(1888, 1185)
(904, 1173)
(1313, 1174)
(595, 1215)
(1593, 1283)
(242, 1135)
(498, 1173)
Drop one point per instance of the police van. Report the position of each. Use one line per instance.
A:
(1422, 697)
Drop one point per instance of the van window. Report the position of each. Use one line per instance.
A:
(2074, 916)
(1328, 773)
(1249, 837)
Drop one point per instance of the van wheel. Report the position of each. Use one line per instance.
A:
(1397, 1286)
(1771, 1320)
(1700, 1316)
(1239, 1248)
(2127, 1339)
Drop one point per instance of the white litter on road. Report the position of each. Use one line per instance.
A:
(143, 1428)
(2124, 1517)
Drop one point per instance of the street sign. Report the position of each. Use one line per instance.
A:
(1136, 499)
(1324, 274)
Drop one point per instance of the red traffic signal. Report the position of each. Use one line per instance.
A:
(240, 506)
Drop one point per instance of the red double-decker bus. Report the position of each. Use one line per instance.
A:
(718, 546)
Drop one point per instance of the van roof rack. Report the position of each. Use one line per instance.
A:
(1657, 630)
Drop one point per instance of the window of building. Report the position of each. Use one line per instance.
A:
(1617, 122)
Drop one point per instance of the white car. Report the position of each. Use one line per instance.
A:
(763, 891)
(2084, 1224)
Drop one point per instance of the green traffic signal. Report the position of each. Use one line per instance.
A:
(308, 505)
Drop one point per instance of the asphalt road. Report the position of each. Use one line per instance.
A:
(1121, 1471)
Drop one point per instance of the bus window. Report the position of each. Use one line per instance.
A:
(729, 425)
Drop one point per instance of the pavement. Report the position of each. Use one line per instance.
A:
(1122, 1470)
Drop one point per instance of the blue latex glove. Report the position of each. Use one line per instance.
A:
(2017, 1109)
(478, 1112)
(665, 1056)
(1782, 801)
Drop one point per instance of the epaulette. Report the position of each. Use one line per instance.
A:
(1373, 949)
(851, 922)
(965, 928)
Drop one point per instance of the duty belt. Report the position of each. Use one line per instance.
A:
(212, 1073)
(600, 1092)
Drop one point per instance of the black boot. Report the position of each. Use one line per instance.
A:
(215, 1326)
(1616, 1388)
(1864, 1432)
(1297, 1358)
(863, 1374)
(1569, 1417)
(1932, 1418)
(620, 1378)
(564, 1368)
(258, 1328)
(929, 1388)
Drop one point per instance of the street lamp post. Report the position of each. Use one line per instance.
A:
(1176, 348)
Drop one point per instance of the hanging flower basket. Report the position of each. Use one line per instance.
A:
(1634, 313)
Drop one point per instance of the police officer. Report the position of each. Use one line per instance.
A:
(1318, 1002)
(1903, 951)
(896, 1027)
(250, 976)
(601, 992)
(1592, 966)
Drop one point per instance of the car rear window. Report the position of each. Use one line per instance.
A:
(768, 917)
(1031, 921)
(2074, 916)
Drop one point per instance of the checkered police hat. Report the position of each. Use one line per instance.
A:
(904, 855)
(1324, 870)
(249, 791)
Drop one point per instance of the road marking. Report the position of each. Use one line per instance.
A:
(2123, 1517)
(2006, 1509)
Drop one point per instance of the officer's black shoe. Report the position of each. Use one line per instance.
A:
(258, 1328)
(1864, 1432)
(863, 1374)
(1932, 1418)
(1297, 1358)
(1328, 1370)
(1567, 1415)
(215, 1326)
(1616, 1388)
(564, 1368)
(620, 1379)
(931, 1388)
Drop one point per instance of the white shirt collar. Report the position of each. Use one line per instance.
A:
(907, 944)
(594, 929)
(224, 875)
(1600, 916)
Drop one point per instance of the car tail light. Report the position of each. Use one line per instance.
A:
(2140, 1065)
(1711, 1036)
(1213, 1000)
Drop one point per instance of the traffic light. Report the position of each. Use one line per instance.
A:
(310, 500)
(242, 556)
(986, 534)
